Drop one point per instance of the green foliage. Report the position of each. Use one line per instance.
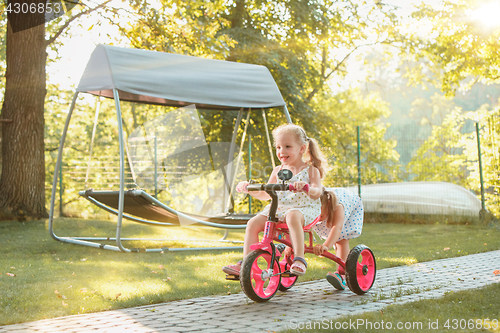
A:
(345, 111)
(456, 48)
(489, 133)
(440, 157)
(297, 40)
(451, 155)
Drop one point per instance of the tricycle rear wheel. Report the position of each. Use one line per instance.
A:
(361, 269)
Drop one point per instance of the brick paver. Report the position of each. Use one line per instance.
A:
(313, 300)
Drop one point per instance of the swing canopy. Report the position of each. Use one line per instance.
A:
(145, 161)
(178, 80)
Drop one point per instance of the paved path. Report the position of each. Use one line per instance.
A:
(306, 301)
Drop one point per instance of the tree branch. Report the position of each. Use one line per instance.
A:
(68, 22)
(325, 77)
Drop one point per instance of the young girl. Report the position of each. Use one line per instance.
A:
(341, 220)
(298, 208)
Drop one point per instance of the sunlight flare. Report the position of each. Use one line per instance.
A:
(487, 14)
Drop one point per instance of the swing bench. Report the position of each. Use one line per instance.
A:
(169, 80)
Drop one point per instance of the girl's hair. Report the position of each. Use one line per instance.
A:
(314, 155)
(329, 201)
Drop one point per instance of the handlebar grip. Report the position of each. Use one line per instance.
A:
(254, 187)
(305, 188)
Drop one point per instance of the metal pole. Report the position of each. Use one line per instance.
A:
(121, 197)
(247, 121)
(483, 206)
(268, 139)
(60, 191)
(287, 115)
(229, 169)
(359, 164)
(96, 118)
(249, 171)
(58, 165)
(156, 168)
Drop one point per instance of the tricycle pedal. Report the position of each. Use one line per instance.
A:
(287, 274)
(232, 277)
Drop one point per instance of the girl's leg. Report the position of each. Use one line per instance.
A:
(254, 226)
(337, 279)
(295, 222)
(343, 249)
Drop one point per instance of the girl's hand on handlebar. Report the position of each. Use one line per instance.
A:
(300, 187)
(319, 249)
(242, 187)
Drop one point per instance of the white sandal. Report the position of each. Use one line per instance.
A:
(298, 263)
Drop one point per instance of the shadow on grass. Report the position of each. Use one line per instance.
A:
(42, 278)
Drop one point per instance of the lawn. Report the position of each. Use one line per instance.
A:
(42, 278)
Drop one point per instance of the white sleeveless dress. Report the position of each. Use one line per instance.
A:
(353, 216)
(288, 201)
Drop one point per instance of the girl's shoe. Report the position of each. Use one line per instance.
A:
(233, 269)
(299, 266)
(336, 280)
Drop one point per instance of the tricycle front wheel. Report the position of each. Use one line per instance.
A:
(256, 280)
(361, 269)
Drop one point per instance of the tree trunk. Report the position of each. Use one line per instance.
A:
(22, 183)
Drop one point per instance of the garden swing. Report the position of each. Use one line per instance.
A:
(177, 154)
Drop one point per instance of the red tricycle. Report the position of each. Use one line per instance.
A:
(266, 270)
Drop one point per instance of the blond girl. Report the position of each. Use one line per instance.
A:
(301, 155)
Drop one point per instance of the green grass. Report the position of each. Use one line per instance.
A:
(463, 311)
(55, 279)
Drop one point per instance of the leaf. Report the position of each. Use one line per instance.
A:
(10, 274)
(83, 290)
(64, 304)
(118, 295)
(446, 249)
(154, 272)
(161, 267)
(56, 292)
(496, 272)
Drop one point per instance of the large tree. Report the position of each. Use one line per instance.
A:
(22, 182)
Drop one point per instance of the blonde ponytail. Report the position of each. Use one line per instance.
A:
(329, 201)
(316, 157)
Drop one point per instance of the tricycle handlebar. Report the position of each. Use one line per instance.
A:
(274, 187)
